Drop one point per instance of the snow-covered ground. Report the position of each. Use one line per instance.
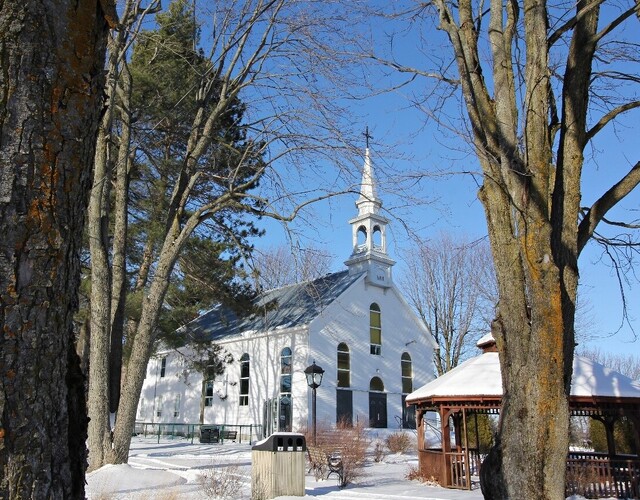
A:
(173, 469)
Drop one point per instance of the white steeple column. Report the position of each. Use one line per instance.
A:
(368, 231)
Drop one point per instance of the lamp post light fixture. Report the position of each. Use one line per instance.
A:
(314, 379)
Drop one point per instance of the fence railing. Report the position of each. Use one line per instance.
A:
(594, 475)
(248, 433)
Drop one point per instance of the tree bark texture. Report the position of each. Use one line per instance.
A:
(51, 56)
(531, 196)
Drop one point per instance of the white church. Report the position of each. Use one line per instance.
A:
(354, 324)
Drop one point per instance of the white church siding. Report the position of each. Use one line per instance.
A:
(347, 320)
(160, 393)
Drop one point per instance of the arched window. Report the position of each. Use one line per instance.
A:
(376, 384)
(285, 372)
(407, 373)
(375, 329)
(344, 366)
(244, 380)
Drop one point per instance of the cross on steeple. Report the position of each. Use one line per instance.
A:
(367, 135)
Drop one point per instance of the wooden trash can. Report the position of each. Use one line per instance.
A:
(278, 466)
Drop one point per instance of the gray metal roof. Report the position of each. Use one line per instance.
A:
(286, 307)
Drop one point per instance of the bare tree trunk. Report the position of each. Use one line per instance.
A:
(99, 440)
(106, 345)
(119, 247)
(137, 363)
(51, 83)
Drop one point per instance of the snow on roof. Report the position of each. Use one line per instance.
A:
(286, 307)
(480, 376)
(486, 339)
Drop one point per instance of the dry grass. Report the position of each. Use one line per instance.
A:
(413, 474)
(378, 452)
(222, 481)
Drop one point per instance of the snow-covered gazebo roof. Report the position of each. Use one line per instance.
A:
(479, 379)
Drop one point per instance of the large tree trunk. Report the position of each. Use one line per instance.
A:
(51, 87)
(532, 208)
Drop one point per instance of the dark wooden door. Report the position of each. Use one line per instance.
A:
(377, 409)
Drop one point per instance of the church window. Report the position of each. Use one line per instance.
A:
(208, 393)
(376, 384)
(344, 366)
(176, 407)
(142, 409)
(163, 367)
(285, 371)
(375, 329)
(159, 406)
(407, 373)
(244, 380)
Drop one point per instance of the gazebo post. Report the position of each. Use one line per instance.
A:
(420, 418)
(457, 428)
(467, 464)
(609, 423)
(635, 420)
(446, 445)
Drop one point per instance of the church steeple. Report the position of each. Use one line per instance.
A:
(369, 232)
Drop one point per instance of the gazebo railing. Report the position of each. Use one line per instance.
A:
(459, 475)
(595, 475)
(450, 469)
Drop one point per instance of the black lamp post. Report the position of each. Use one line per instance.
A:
(314, 379)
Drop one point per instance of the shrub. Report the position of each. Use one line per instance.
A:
(350, 441)
(222, 481)
(414, 473)
(399, 442)
(378, 452)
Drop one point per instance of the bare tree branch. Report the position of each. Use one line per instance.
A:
(611, 115)
(598, 210)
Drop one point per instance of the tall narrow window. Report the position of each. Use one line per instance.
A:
(407, 373)
(159, 406)
(208, 393)
(244, 380)
(285, 372)
(142, 410)
(375, 329)
(344, 368)
(176, 407)
(163, 366)
(284, 422)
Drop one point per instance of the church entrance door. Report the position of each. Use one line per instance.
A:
(377, 410)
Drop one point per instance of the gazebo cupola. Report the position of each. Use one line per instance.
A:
(369, 233)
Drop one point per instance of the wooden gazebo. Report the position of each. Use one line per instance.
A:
(475, 387)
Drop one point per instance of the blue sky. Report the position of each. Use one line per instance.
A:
(406, 139)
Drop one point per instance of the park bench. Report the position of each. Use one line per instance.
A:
(230, 435)
(321, 462)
